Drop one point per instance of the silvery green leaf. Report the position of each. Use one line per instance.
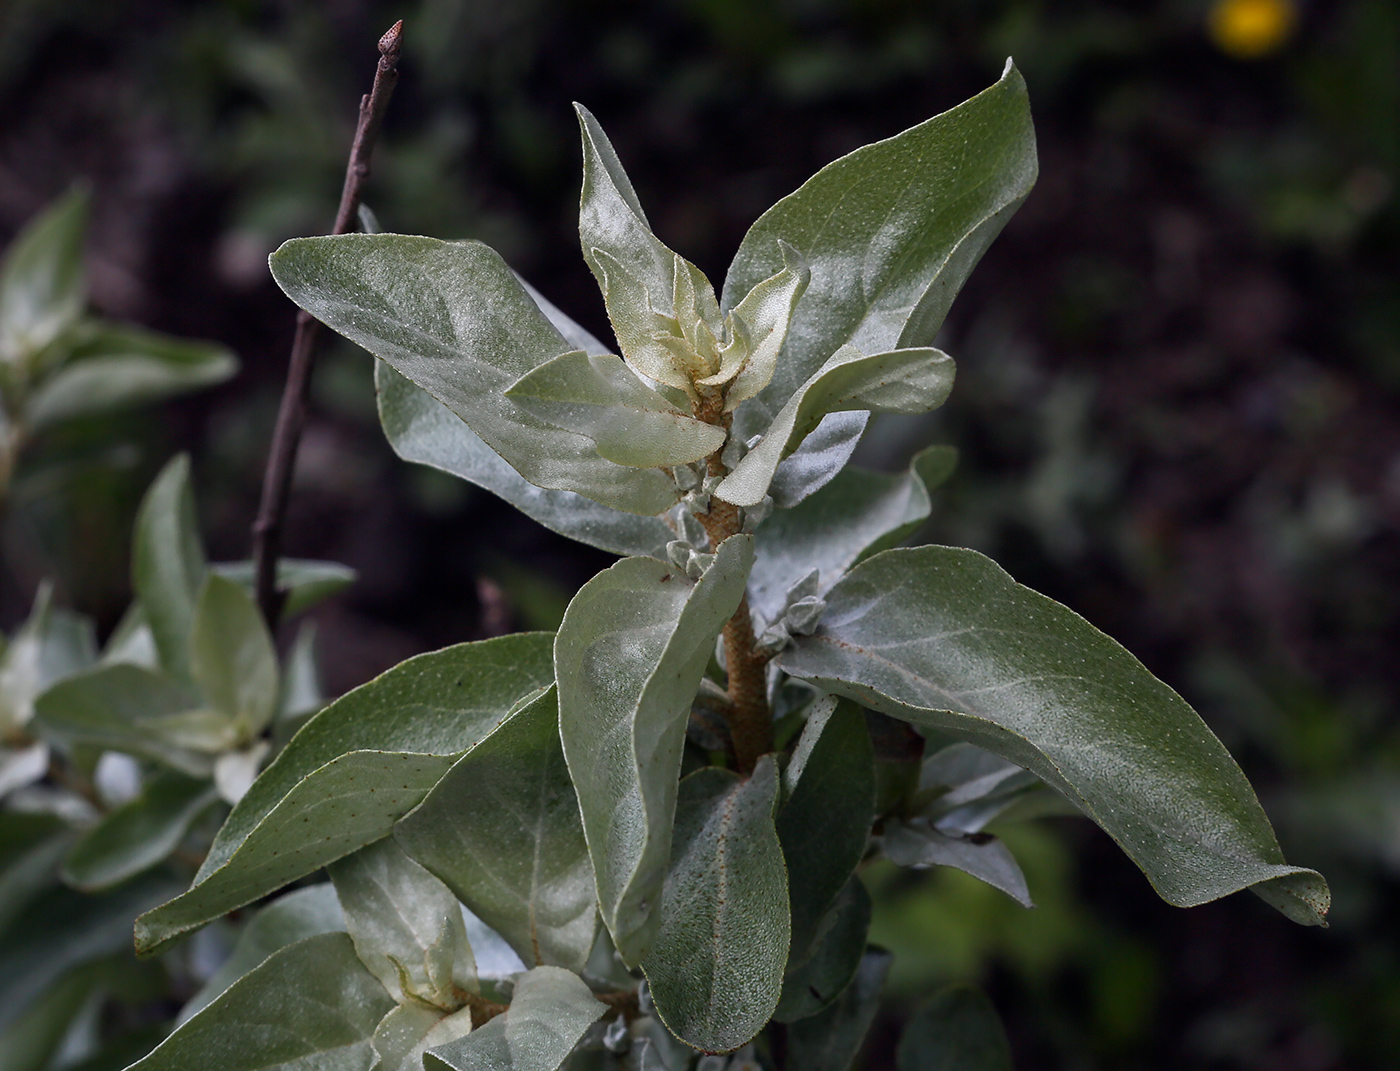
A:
(42, 288)
(410, 1030)
(167, 564)
(352, 771)
(611, 222)
(821, 973)
(900, 381)
(421, 429)
(973, 785)
(454, 319)
(124, 707)
(957, 1030)
(829, 790)
(303, 583)
(140, 833)
(917, 843)
(830, 1040)
(944, 638)
(765, 313)
(310, 1006)
(549, 1011)
(716, 965)
(232, 658)
(602, 398)
(302, 913)
(628, 658)
(820, 458)
(502, 830)
(406, 925)
(115, 365)
(892, 231)
(832, 530)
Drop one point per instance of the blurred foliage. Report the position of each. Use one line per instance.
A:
(1176, 406)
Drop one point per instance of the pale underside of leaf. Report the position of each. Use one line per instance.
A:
(423, 430)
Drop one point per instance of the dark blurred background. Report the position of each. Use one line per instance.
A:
(1179, 383)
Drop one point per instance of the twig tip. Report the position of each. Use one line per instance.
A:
(389, 43)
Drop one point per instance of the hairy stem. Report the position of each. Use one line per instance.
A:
(750, 722)
(281, 461)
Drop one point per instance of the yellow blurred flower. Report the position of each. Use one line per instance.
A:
(1250, 29)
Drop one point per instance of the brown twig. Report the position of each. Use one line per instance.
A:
(281, 460)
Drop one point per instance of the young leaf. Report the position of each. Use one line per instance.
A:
(352, 771)
(917, 843)
(834, 528)
(764, 314)
(308, 1007)
(825, 820)
(892, 230)
(830, 1040)
(42, 288)
(602, 398)
(611, 219)
(123, 707)
(232, 658)
(818, 974)
(167, 564)
(629, 656)
(502, 830)
(114, 365)
(549, 1011)
(957, 1030)
(302, 913)
(944, 638)
(423, 430)
(304, 583)
(140, 833)
(454, 319)
(716, 965)
(899, 381)
(406, 926)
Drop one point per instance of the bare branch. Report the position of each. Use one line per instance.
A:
(281, 460)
